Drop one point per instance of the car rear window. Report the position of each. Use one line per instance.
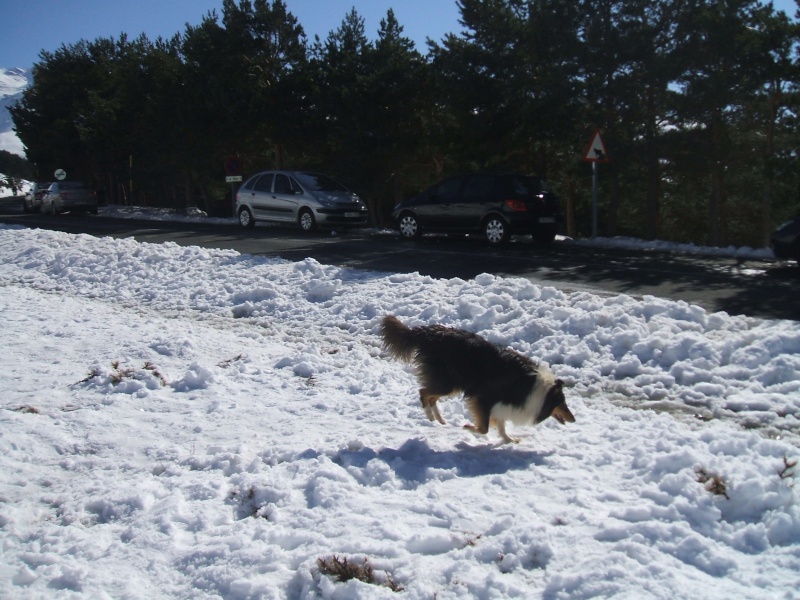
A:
(528, 186)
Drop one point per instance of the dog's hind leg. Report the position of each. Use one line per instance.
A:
(429, 404)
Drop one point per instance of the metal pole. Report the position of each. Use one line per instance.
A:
(130, 173)
(594, 199)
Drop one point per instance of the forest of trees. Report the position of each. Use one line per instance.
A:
(697, 102)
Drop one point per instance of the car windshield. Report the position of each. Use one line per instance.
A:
(319, 183)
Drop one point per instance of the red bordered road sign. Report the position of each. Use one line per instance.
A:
(233, 166)
(596, 151)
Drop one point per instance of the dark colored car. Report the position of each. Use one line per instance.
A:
(32, 201)
(495, 205)
(69, 196)
(785, 240)
(301, 197)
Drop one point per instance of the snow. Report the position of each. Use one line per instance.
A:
(179, 422)
(13, 83)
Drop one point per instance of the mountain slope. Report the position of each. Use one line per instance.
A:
(13, 83)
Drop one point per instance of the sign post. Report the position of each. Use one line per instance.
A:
(595, 153)
(233, 175)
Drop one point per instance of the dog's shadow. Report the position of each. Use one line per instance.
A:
(416, 463)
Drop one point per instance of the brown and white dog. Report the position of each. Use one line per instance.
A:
(499, 384)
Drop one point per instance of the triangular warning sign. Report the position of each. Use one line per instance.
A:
(596, 152)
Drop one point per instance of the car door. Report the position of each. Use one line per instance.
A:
(474, 199)
(437, 210)
(259, 195)
(284, 202)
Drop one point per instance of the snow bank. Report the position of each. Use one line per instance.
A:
(182, 422)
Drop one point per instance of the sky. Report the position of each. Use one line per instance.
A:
(183, 422)
(32, 25)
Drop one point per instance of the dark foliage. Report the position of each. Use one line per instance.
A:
(697, 101)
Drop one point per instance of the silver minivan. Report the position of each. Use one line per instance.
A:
(308, 199)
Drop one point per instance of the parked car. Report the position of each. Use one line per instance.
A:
(32, 201)
(495, 205)
(64, 196)
(308, 199)
(785, 240)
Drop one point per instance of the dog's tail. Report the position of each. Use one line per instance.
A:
(398, 339)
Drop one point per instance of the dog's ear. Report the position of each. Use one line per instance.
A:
(559, 383)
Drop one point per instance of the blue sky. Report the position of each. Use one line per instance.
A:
(32, 25)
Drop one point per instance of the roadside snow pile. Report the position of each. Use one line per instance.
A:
(660, 245)
(195, 215)
(182, 422)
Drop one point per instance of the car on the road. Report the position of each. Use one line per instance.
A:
(32, 201)
(307, 199)
(785, 240)
(494, 205)
(68, 196)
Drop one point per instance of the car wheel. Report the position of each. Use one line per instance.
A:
(496, 231)
(53, 210)
(408, 226)
(306, 220)
(246, 217)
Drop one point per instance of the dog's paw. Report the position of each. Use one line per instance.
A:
(473, 430)
(510, 440)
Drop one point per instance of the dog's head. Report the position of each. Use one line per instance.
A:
(555, 405)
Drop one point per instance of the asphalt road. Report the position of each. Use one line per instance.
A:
(757, 288)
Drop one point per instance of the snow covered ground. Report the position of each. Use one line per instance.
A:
(187, 423)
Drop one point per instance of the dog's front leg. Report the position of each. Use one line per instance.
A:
(501, 429)
(429, 404)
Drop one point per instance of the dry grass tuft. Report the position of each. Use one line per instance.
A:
(345, 570)
(713, 483)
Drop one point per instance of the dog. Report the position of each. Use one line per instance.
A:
(498, 384)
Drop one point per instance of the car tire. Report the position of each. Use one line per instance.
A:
(53, 209)
(408, 226)
(306, 221)
(246, 217)
(496, 231)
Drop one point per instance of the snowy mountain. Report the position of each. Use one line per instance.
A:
(13, 83)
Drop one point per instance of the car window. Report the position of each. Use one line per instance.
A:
(528, 186)
(282, 184)
(478, 188)
(447, 189)
(264, 183)
(320, 183)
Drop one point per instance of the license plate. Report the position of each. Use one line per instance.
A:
(547, 219)
(352, 215)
